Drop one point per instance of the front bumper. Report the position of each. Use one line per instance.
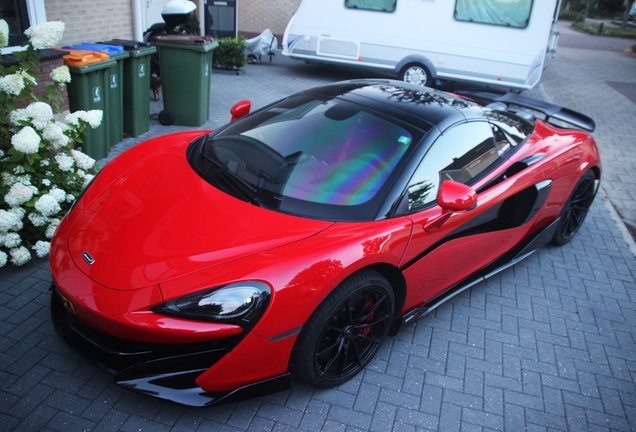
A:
(165, 371)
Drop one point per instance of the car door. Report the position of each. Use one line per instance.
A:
(448, 246)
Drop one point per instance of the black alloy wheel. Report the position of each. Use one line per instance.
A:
(576, 208)
(345, 332)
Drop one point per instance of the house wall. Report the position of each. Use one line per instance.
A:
(92, 21)
(254, 16)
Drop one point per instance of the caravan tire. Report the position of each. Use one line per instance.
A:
(415, 73)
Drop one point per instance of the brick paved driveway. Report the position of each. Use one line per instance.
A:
(549, 344)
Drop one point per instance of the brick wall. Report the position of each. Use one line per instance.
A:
(46, 66)
(92, 21)
(254, 16)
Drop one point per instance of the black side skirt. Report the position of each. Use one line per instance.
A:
(539, 240)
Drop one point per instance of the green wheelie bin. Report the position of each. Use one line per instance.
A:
(88, 91)
(114, 108)
(136, 85)
(186, 68)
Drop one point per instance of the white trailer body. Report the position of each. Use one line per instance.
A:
(493, 42)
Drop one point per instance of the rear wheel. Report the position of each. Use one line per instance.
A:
(575, 209)
(415, 73)
(345, 332)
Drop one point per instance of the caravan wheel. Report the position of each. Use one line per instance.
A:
(415, 73)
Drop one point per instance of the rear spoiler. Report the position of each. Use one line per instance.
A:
(551, 111)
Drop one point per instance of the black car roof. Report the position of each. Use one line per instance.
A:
(424, 107)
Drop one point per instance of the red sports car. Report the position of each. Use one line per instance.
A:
(205, 267)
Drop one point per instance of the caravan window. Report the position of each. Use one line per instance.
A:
(374, 5)
(510, 13)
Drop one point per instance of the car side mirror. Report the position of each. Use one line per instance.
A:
(452, 197)
(455, 196)
(240, 109)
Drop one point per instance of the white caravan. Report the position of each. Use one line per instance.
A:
(493, 42)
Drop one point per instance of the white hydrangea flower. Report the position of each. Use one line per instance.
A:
(64, 161)
(9, 222)
(11, 240)
(83, 160)
(12, 84)
(50, 230)
(87, 179)
(26, 141)
(42, 248)
(45, 35)
(1, 154)
(28, 77)
(45, 163)
(70, 197)
(24, 179)
(19, 212)
(40, 113)
(20, 255)
(58, 194)
(3, 259)
(92, 117)
(18, 195)
(47, 205)
(4, 37)
(18, 115)
(54, 135)
(38, 219)
(61, 75)
(73, 118)
(18, 170)
(46, 182)
(8, 179)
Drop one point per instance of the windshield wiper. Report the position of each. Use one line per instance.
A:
(235, 183)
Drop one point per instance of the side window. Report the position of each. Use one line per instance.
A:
(460, 154)
(510, 13)
(374, 5)
(516, 129)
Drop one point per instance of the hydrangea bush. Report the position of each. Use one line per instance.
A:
(41, 174)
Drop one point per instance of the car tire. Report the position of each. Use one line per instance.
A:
(415, 73)
(575, 209)
(345, 332)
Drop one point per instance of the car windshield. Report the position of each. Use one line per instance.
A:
(309, 156)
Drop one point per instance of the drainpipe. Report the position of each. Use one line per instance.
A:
(138, 32)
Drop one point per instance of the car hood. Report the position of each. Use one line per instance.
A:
(159, 220)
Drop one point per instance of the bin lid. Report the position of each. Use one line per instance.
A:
(186, 40)
(77, 57)
(128, 45)
(108, 49)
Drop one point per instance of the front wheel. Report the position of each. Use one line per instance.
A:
(415, 73)
(345, 332)
(576, 208)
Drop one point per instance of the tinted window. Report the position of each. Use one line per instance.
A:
(460, 154)
(510, 13)
(310, 157)
(374, 5)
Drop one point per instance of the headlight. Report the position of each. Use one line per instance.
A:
(241, 303)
